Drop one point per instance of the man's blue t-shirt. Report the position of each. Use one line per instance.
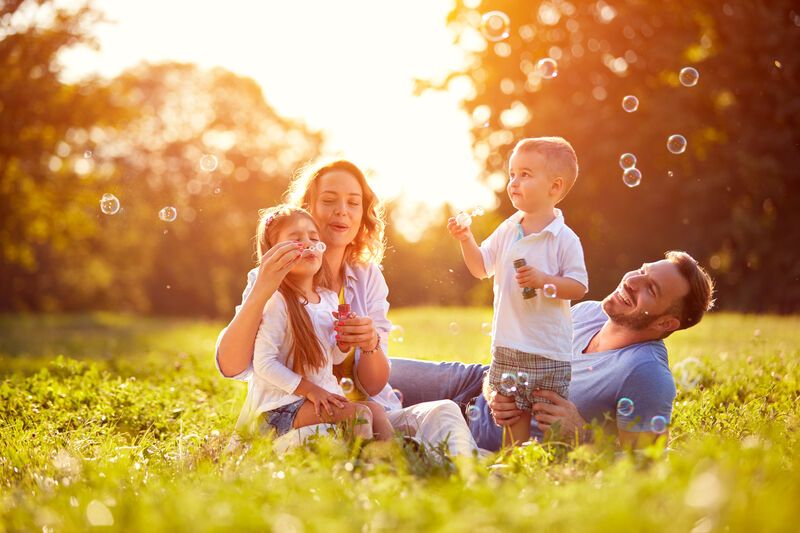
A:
(639, 372)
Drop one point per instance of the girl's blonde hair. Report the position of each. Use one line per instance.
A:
(368, 245)
(305, 349)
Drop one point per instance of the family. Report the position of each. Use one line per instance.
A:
(310, 336)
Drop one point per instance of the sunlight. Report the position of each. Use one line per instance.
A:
(346, 68)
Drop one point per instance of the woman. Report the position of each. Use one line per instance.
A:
(351, 224)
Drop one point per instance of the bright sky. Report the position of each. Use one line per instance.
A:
(344, 67)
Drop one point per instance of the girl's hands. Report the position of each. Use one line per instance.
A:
(276, 263)
(460, 233)
(355, 331)
(323, 399)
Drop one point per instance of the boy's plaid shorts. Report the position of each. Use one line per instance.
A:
(543, 373)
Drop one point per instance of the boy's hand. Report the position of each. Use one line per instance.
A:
(460, 233)
(527, 276)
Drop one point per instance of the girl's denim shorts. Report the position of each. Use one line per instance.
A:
(280, 419)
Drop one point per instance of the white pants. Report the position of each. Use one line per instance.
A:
(430, 422)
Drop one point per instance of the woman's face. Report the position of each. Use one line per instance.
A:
(338, 208)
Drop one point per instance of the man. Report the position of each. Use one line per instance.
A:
(620, 372)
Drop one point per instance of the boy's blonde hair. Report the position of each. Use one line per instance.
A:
(561, 160)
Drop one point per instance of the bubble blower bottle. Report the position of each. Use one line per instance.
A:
(527, 292)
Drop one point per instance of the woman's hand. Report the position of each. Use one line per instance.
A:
(276, 263)
(355, 331)
(561, 410)
(323, 399)
(504, 409)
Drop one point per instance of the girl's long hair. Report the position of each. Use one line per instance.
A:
(369, 244)
(305, 348)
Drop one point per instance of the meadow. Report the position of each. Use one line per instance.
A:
(121, 422)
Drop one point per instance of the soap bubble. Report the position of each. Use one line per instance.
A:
(523, 379)
(627, 160)
(688, 372)
(632, 177)
(478, 211)
(547, 68)
(463, 220)
(454, 328)
(320, 246)
(473, 412)
(347, 385)
(109, 204)
(495, 25)
(208, 163)
(670, 174)
(398, 394)
(625, 407)
(486, 328)
(508, 383)
(396, 333)
(689, 76)
(658, 424)
(168, 214)
(87, 154)
(549, 290)
(630, 103)
(676, 144)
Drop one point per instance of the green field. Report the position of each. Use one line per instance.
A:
(122, 421)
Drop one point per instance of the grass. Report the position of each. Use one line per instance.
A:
(120, 423)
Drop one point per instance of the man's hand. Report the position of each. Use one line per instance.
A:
(504, 409)
(460, 233)
(561, 410)
(527, 276)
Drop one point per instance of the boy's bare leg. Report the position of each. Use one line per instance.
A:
(380, 422)
(521, 429)
(307, 416)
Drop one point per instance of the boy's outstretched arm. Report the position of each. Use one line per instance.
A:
(469, 248)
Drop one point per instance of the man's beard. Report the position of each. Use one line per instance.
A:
(635, 322)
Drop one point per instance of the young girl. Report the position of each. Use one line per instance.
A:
(293, 383)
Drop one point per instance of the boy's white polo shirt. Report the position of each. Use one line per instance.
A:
(537, 325)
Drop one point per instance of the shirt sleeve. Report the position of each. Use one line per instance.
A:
(378, 305)
(245, 374)
(651, 391)
(572, 264)
(490, 249)
(272, 336)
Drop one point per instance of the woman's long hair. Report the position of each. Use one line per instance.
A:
(305, 348)
(368, 245)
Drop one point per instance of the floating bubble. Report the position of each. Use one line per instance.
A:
(347, 385)
(463, 220)
(547, 68)
(168, 214)
(625, 407)
(396, 334)
(630, 103)
(320, 246)
(486, 328)
(632, 177)
(98, 514)
(473, 412)
(670, 174)
(508, 383)
(87, 154)
(688, 373)
(454, 328)
(627, 160)
(549, 290)
(523, 379)
(658, 424)
(478, 211)
(689, 76)
(495, 26)
(208, 163)
(398, 394)
(109, 204)
(676, 144)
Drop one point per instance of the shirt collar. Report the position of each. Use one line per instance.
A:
(349, 273)
(554, 227)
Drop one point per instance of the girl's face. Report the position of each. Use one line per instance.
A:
(302, 229)
(338, 208)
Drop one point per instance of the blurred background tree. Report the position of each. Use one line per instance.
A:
(730, 199)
